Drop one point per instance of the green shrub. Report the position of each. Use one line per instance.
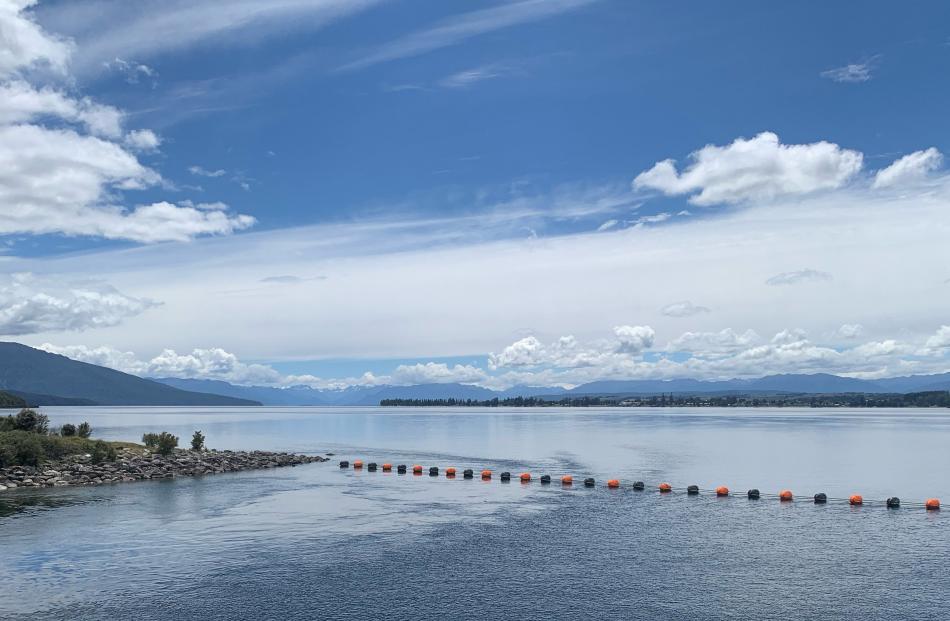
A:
(102, 451)
(166, 443)
(67, 430)
(198, 441)
(21, 448)
(27, 420)
(150, 440)
(84, 430)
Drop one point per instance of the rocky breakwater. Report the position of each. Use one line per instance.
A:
(137, 465)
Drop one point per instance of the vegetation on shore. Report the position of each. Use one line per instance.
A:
(929, 399)
(11, 401)
(26, 439)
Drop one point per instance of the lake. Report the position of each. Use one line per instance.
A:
(319, 542)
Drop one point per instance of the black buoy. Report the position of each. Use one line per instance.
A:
(371, 466)
(893, 502)
(589, 482)
(505, 476)
(821, 498)
(545, 479)
(693, 490)
(434, 471)
(639, 486)
(754, 494)
(401, 469)
(468, 474)
(344, 464)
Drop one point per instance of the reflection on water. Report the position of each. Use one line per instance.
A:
(315, 541)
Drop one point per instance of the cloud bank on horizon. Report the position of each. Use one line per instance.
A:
(733, 253)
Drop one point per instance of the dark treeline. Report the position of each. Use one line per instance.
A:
(930, 399)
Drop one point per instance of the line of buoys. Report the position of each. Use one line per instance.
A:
(785, 495)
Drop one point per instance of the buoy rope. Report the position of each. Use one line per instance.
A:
(579, 481)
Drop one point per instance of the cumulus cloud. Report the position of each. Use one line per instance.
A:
(634, 339)
(683, 309)
(524, 352)
(437, 373)
(940, 341)
(853, 72)
(724, 341)
(200, 171)
(64, 159)
(760, 168)
(29, 305)
(797, 277)
(911, 168)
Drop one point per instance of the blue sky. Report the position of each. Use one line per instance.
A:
(318, 189)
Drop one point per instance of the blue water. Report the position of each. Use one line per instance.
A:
(317, 542)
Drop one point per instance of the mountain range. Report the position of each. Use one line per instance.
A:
(42, 378)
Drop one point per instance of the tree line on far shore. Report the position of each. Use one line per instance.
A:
(928, 399)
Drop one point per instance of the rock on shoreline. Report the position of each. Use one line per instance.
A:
(136, 465)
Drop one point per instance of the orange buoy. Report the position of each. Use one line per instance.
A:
(486, 474)
(387, 467)
(417, 469)
(932, 504)
(567, 480)
(525, 477)
(722, 490)
(450, 472)
(613, 483)
(665, 487)
(785, 495)
(856, 499)
(358, 464)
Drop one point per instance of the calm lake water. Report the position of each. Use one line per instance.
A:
(317, 542)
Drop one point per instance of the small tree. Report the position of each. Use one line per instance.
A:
(32, 421)
(150, 440)
(166, 443)
(198, 441)
(84, 430)
(67, 430)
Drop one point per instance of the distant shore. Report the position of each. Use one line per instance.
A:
(135, 463)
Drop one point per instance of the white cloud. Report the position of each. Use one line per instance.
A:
(654, 219)
(609, 224)
(850, 331)
(757, 169)
(683, 309)
(911, 168)
(204, 172)
(461, 27)
(133, 71)
(470, 77)
(524, 352)
(940, 341)
(797, 277)
(854, 72)
(63, 159)
(437, 373)
(143, 140)
(634, 339)
(29, 305)
(23, 43)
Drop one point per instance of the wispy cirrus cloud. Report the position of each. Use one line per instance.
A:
(852, 72)
(459, 28)
(797, 277)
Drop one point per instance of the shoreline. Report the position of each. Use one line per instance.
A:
(134, 464)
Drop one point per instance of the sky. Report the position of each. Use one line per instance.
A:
(539, 192)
